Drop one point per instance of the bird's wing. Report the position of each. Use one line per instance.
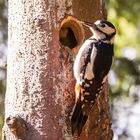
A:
(82, 63)
(83, 71)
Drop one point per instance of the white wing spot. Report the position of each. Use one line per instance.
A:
(87, 93)
(91, 82)
(84, 112)
(82, 98)
(96, 95)
(83, 106)
(86, 101)
(86, 85)
(92, 101)
(100, 91)
(100, 88)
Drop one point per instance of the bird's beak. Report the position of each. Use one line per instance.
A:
(89, 24)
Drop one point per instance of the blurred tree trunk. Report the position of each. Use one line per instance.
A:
(40, 84)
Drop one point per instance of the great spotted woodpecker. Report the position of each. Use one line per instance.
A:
(91, 68)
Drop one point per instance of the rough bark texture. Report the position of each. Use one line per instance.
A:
(40, 83)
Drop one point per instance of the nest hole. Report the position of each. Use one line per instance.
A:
(67, 38)
(71, 33)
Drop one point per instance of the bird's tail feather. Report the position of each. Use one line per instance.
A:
(78, 119)
(81, 123)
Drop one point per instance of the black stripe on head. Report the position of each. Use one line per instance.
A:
(108, 23)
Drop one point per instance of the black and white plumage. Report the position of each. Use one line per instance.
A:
(91, 68)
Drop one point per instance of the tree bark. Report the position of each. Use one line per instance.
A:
(40, 83)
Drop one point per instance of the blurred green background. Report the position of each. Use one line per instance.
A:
(124, 77)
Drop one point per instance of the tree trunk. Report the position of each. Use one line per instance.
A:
(40, 84)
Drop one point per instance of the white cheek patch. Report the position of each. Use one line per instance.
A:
(107, 29)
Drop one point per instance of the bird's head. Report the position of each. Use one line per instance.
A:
(102, 30)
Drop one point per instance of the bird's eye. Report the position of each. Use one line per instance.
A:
(102, 25)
